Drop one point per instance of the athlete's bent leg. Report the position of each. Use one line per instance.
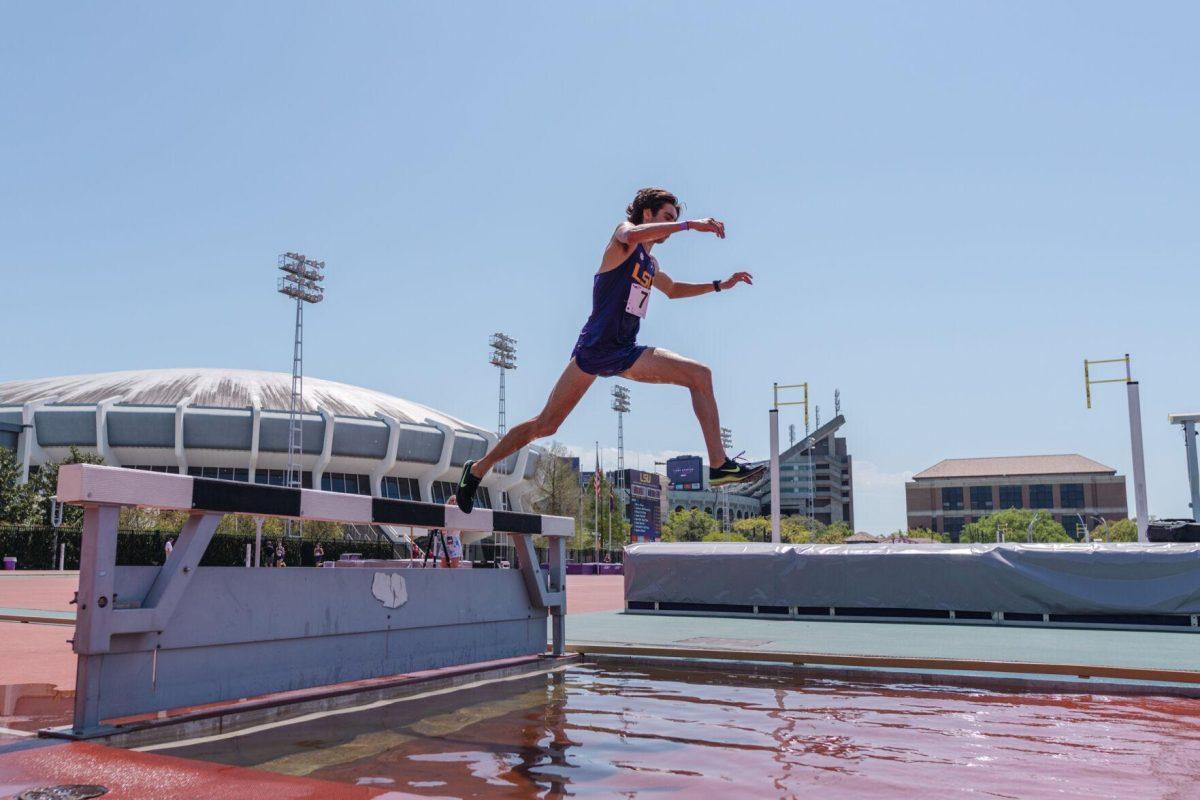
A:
(571, 387)
(657, 365)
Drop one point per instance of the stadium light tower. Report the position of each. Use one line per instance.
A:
(727, 443)
(301, 281)
(620, 404)
(504, 356)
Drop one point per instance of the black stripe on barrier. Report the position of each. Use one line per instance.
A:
(408, 512)
(209, 494)
(513, 522)
(906, 613)
(960, 614)
(1175, 620)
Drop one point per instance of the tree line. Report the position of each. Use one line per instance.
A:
(558, 493)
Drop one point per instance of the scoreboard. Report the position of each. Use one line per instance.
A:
(644, 511)
(686, 473)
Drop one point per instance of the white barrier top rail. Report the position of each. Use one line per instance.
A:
(91, 484)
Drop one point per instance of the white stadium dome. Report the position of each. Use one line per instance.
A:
(233, 424)
(223, 388)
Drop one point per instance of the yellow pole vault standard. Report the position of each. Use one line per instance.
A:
(1133, 394)
(773, 415)
(1087, 379)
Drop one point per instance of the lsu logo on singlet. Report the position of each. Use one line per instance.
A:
(642, 274)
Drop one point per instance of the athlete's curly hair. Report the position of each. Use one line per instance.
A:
(651, 198)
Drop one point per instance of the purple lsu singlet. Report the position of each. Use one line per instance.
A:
(607, 345)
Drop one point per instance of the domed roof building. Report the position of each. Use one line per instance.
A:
(233, 425)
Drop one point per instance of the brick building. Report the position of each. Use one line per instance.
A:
(957, 491)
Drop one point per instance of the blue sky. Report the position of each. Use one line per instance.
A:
(946, 207)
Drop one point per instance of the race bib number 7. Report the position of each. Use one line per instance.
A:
(639, 298)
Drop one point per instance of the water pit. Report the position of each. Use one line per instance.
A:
(611, 729)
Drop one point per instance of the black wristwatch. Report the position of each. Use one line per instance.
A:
(716, 286)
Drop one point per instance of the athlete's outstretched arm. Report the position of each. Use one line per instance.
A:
(676, 290)
(628, 233)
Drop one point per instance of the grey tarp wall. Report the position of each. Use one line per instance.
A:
(1016, 578)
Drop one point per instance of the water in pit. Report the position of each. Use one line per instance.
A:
(600, 731)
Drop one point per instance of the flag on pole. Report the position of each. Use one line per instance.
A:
(596, 478)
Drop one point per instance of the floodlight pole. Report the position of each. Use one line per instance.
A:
(1133, 394)
(301, 281)
(620, 404)
(504, 357)
(727, 443)
(773, 415)
(620, 468)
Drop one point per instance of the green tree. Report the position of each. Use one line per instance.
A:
(274, 528)
(1013, 523)
(610, 510)
(153, 519)
(919, 533)
(17, 504)
(724, 536)
(798, 529)
(691, 525)
(753, 529)
(29, 503)
(795, 529)
(1119, 530)
(792, 529)
(557, 483)
(837, 533)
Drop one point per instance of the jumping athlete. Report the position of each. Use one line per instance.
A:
(608, 346)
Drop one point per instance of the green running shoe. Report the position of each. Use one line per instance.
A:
(467, 484)
(733, 472)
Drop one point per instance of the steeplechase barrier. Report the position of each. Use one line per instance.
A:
(157, 638)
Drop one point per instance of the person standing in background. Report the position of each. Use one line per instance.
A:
(453, 554)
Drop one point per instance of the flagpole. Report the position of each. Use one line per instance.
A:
(579, 512)
(610, 516)
(596, 500)
(603, 480)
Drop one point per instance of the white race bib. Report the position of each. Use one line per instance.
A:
(639, 298)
